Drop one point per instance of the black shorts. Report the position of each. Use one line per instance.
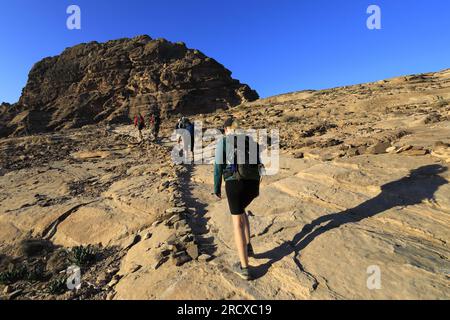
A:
(192, 143)
(240, 194)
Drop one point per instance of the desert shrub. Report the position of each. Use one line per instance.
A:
(57, 286)
(22, 273)
(13, 275)
(35, 273)
(291, 118)
(440, 103)
(82, 256)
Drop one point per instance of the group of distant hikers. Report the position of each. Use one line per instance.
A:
(237, 166)
(153, 123)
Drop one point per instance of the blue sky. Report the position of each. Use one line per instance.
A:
(274, 46)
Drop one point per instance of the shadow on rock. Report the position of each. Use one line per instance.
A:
(421, 184)
(197, 220)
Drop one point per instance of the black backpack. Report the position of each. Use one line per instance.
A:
(182, 124)
(242, 170)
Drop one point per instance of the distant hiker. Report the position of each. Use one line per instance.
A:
(242, 180)
(185, 124)
(139, 123)
(157, 125)
(191, 129)
(108, 129)
(154, 124)
(181, 124)
(151, 123)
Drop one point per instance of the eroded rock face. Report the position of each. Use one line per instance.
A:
(8, 113)
(96, 82)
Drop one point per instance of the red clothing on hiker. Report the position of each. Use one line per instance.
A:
(139, 121)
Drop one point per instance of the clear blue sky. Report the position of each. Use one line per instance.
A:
(276, 46)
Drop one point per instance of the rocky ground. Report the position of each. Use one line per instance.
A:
(92, 193)
(363, 182)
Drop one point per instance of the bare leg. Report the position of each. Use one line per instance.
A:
(246, 228)
(239, 236)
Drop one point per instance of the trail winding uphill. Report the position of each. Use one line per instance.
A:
(318, 227)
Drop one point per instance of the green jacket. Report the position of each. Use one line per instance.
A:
(220, 165)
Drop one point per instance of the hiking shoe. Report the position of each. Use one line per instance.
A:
(250, 251)
(241, 272)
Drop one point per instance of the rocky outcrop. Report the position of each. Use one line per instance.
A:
(8, 113)
(109, 82)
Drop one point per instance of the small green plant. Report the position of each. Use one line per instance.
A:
(441, 102)
(13, 275)
(57, 286)
(35, 274)
(82, 256)
(291, 118)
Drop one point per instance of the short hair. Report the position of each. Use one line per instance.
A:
(231, 123)
(228, 123)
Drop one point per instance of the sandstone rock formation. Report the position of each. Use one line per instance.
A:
(97, 82)
(364, 181)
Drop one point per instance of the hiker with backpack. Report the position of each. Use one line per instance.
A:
(139, 123)
(191, 129)
(239, 166)
(181, 123)
(185, 124)
(154, 124)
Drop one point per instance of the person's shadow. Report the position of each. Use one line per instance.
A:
(421, 184)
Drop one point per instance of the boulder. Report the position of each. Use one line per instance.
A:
(416, 152)
(109, 82)
(205, 257)
(132, 241)
(404, 148)
(299, 155)
(176, 210)
(378, 148)
(180, 259)
(391, 149)
(192, 250)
